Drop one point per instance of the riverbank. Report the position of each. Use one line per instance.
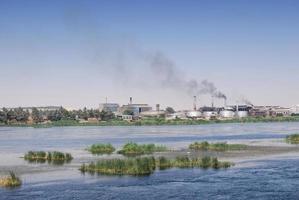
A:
(155, 122)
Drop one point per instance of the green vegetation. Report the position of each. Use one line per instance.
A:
(293, 139)
(101, 149)
(216, 146)
(10, 181)
(133, 149)
(62, 117)
(54, 157)
(147, 165)
(136, 166)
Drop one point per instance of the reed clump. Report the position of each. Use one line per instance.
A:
(147, 165)
(101, 149)
(10, 181)
(133, 149)
(216, 146)
(54, 157)
(131, 166)
(293, 139)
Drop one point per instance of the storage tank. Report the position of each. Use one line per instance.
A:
(210, 114)
(228, 112)
(241, 114)
(193, 114)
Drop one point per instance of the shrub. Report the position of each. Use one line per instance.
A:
(133, 149)
(216, 146)
(101, 149)
(293, 139)
(10, 181)
(54, 157)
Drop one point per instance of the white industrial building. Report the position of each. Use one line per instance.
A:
(136, 109)
(109, 107)
(295, 110)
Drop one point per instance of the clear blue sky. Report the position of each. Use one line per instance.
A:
(75, 53)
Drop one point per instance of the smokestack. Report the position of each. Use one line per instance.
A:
(131, 100)
(212, 101)
(157, 107)
(194, 103)
(225, 103)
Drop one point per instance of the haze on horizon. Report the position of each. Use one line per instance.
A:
(76, 53)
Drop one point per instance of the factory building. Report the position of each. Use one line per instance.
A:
(209, 112)
(273, 111)
(278, 111)
(153, 113)
(242, 110)
(259, 111)
(295, 110)
(108, 107)
(135, 109)
(177, 115)
(42, 108)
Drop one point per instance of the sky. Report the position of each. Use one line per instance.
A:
(76, 53)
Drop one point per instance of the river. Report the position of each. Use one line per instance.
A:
(260, 177)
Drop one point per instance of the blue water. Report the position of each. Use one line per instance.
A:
(273, 178)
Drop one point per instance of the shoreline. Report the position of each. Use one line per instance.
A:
(156, 122)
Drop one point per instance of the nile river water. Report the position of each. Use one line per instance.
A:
(253, 177)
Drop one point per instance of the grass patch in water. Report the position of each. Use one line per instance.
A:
(54, 157)
(101, 149)
(216, 146)
(10, 181)
(293, 139)
(147, 165)
(133, 149)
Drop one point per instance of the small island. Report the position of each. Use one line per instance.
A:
(10, 181)
(216, 146)
(293, 139)
(134, 149)
(147, 165)
(54, 157)
(101, 149)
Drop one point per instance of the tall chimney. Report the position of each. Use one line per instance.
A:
(158, 107)
(194, 103)
(131, 100)
(225, 103)
(237, 109)
(212, 101)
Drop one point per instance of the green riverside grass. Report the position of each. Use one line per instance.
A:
(293, 139)
(143, 166)
(156, 122)
(216, 146)
(101, 149)
(134, 149)
(54, 157)
(10, 181)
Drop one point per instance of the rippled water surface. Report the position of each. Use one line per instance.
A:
(274, 177)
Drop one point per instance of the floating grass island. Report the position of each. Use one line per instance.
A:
(134, 149)
(54, 157)
(147, 165)
(10, 181)
(293, 139)
(216, 146)
(101, 149)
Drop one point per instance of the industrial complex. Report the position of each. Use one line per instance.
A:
(133, 111)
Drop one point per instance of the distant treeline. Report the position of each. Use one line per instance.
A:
(35, 115)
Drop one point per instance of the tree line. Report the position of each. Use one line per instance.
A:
(20, 115)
